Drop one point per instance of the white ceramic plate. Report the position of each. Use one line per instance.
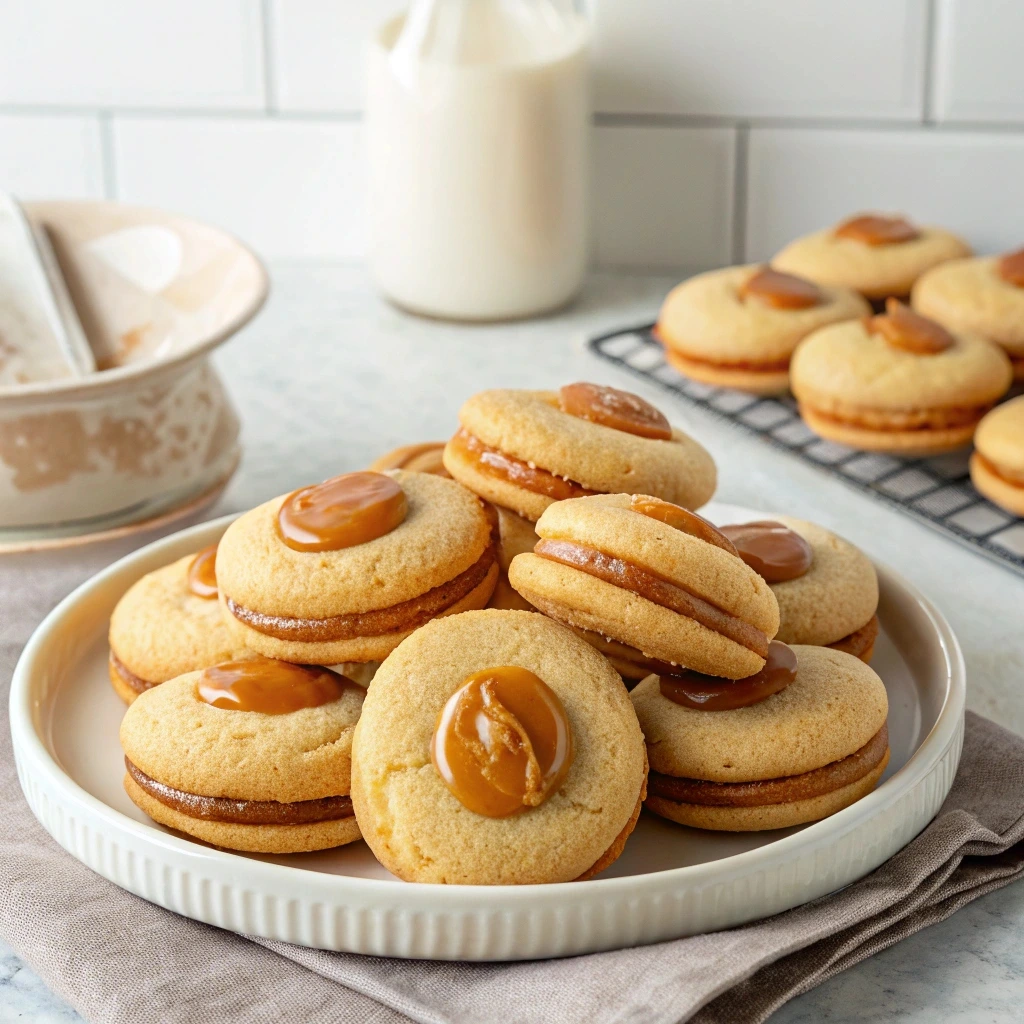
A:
(671, 881)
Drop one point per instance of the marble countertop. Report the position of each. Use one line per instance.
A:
(329, 376)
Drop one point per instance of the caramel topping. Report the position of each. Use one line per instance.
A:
(341, 512)
(202, 574)
(909, 331)
(681, 519)
(653, 588)
(710, 693)
(418, 458)
(870, 229)
(497, 464)
(780, 291)
(502, 742)
(613, 408)
(1011, 268)
(269, 687)
(772, 550)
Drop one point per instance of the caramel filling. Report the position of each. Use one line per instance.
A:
(502, 743)
(680, 359)
(620, 410)
(397, 619)
(901, 419)
(653, 588)
(909, 331)
(129, 678)
(342, 512)
(710, 693)
(202, 573)
(270, 687)
(1011, 268)
(243, 812)
(681, 519)
(775, 791)
(870, 229)
(494, 463)
(417, 458)
(780, 291)
(772, 550)
(1007, 476)
(861, 642)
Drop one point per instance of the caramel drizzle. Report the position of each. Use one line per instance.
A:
(242, 812)
(653, 588)
(396, 619)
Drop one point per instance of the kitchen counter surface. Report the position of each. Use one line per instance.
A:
(329, 376)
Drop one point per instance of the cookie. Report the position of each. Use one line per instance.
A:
(897, 383)
(368, 558)
(826, 588)
(807, 750)
(169, 623)
(982, 296)
(738, 327)
(249, 755)
(515, 535)
(523, 450)
(653, 576)
(565, 801)
(874, 254)
(997, 464)
(419, 458)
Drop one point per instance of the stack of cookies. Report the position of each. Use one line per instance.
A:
(331, 670)
(891, 335)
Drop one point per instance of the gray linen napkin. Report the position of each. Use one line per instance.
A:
(120, 960)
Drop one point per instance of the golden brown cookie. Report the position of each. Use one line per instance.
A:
(418, 458)
(524, 450)
(251, 755)
(671, 587)
(997, 465)
(165, 626)
(864, 384)
(877, 255)
(738, 327)
(983, 295)
(801, 754)
(356, 603)
(826, 588)
(435, 818)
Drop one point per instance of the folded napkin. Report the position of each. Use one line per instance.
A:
(120, 960)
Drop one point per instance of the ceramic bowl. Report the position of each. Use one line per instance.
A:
(153, 430)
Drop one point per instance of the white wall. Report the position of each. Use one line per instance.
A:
(724, 126)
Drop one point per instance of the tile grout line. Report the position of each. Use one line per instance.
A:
(108, 154)
(739, 193)
(267, 60)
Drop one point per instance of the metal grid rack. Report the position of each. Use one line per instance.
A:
(937, 491)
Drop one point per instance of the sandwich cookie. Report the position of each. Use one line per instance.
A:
(417, 458)
(979, 296)
(653, 576)
(897, 382)
(738, 327)
(826, 588)
(802, 739)
(873, 254)
(524, 450)
(497, 748)
(169, 623)
(344, 570)
(997, 464)
(515, 535)
(248, 755)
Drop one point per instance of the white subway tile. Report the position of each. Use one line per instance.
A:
(190, 53)
(663, 196)
(799, 181)
(979, 73)
(292, 189)
(318, 50)
(51, 157)
(761, 58)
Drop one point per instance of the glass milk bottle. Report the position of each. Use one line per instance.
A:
(478, 124)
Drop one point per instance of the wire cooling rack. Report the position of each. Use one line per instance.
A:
(937, 491)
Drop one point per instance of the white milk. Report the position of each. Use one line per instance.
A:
(477, 129)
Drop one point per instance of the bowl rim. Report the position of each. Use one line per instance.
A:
(105, 380)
